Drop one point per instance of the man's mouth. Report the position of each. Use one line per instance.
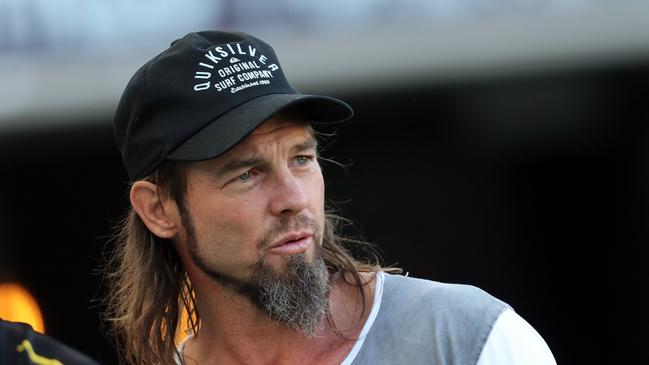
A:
(292, 243)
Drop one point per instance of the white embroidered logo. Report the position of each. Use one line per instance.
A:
(245, 70)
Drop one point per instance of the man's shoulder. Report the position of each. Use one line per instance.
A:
(429, 322)
(422, 308)
(439, 297)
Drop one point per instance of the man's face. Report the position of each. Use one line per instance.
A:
(254, 216)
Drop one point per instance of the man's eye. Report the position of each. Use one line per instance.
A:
(302, 159)
(245, 176)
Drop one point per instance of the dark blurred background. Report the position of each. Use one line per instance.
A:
(501, 148)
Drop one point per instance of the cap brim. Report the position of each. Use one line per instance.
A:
(226, 131)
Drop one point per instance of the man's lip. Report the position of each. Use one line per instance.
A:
(292, 244)
(290, 237)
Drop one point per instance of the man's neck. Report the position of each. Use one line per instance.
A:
(233, 330)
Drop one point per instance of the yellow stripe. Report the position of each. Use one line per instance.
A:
(34, 357)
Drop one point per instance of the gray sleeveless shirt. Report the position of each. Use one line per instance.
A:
(426, 322)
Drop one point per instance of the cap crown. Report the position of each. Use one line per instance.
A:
(199, 78)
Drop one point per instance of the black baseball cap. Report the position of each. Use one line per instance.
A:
(202, 96)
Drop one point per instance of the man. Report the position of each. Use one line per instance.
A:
(228, 223)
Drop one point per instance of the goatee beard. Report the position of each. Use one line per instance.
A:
(298, 297)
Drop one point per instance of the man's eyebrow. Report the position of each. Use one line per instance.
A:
(309, 144)
(238, 164)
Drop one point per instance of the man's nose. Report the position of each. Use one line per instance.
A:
(288, 194)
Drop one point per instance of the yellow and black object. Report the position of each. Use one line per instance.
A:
(21, 345)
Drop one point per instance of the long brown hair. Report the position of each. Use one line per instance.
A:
(149, 290)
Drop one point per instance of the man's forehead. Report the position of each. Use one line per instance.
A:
(285, 133)
(281, 120)
(277, 131)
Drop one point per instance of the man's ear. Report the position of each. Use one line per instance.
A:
(160, 217)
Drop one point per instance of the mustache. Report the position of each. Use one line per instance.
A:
(286, 225)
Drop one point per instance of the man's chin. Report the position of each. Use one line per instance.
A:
(279, 264)
(297, 293)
